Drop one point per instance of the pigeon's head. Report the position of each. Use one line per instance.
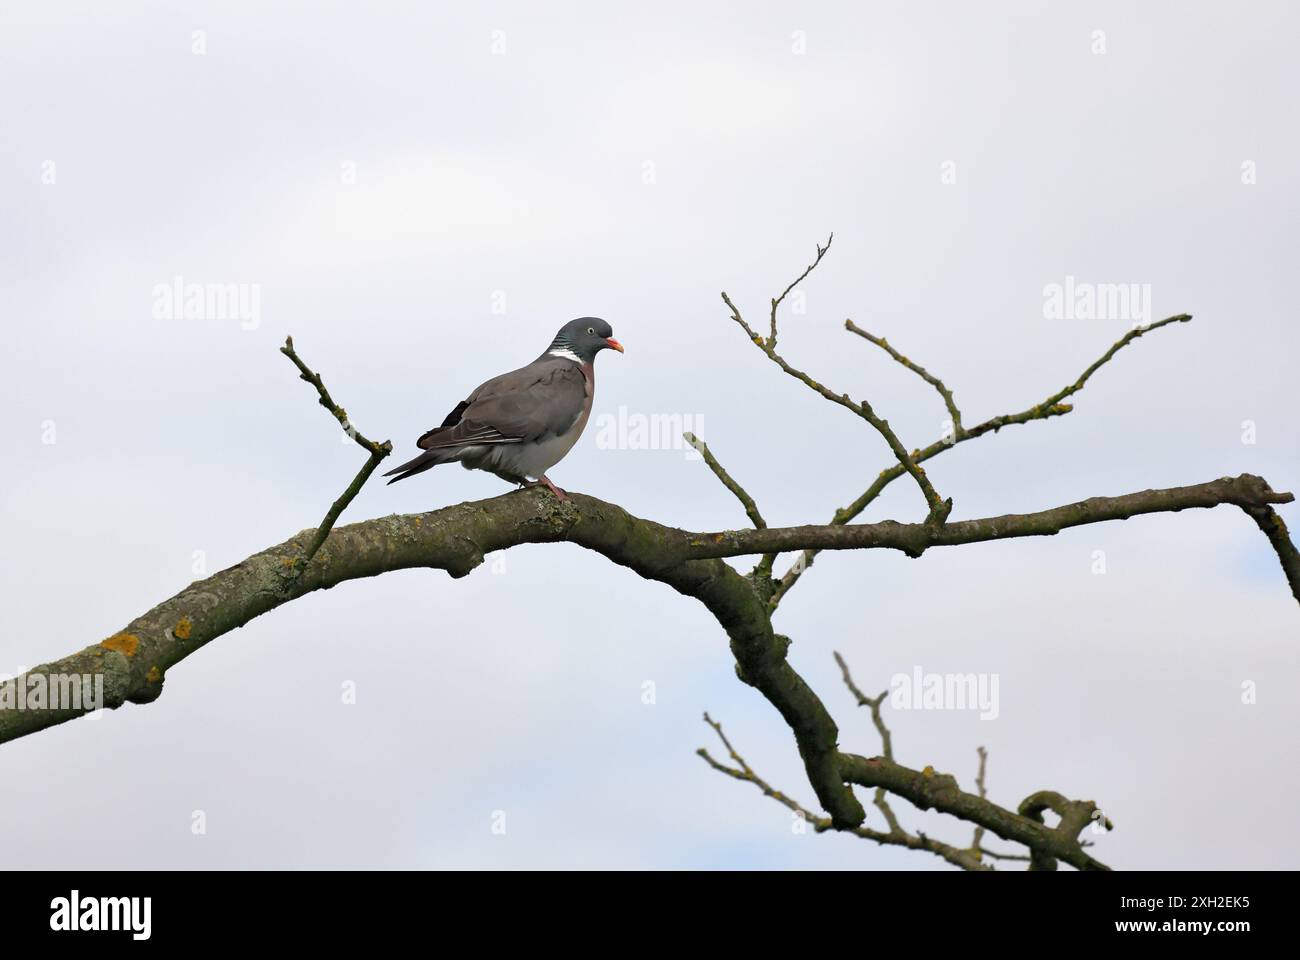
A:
(583, 338)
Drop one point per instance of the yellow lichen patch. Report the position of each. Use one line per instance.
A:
(154, 675)
(289, 561)
(124, 643)
(182, 629)
(928, 772)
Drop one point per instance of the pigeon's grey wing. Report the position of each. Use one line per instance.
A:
(541, 400)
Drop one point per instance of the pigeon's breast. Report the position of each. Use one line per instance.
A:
(534, 459)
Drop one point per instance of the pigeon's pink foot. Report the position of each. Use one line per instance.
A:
(545, 482)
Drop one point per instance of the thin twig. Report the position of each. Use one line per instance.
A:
(886, 738)
(337, 412)
(746, 501)
(777, 301)
(1118, 345)
(919, 370)
(764, 568)
(377, 453)
(979, 785)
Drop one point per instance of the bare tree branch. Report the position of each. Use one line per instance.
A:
(377, 453)
(764, 568)
(895, 836)
(886, 738)
(983, 792)
(746, 501)
(920, 371)
(927, 789)
(1271, 524)
(326, 401)
(134, 661)
(1246, 491)
(1074, 814)
(1118, 345)
(456, 538)
(989, 813)
(938, 507)
(1051, 407)
(777, 301)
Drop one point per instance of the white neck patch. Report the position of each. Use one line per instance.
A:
(565, 353)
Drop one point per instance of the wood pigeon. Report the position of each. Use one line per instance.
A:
(522, 423)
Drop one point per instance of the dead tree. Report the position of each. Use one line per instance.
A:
(133, 662)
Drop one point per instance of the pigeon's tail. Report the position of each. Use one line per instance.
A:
(425, 461)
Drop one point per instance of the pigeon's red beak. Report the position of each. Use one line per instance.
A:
(614, 344)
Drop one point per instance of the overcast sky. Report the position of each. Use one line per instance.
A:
(422, 193)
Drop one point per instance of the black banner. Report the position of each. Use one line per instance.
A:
(126, 909)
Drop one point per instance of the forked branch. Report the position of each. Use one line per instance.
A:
(926, 789)
(1051, 407)
(377, 453)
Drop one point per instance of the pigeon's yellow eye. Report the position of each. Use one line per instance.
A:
(591, 330)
